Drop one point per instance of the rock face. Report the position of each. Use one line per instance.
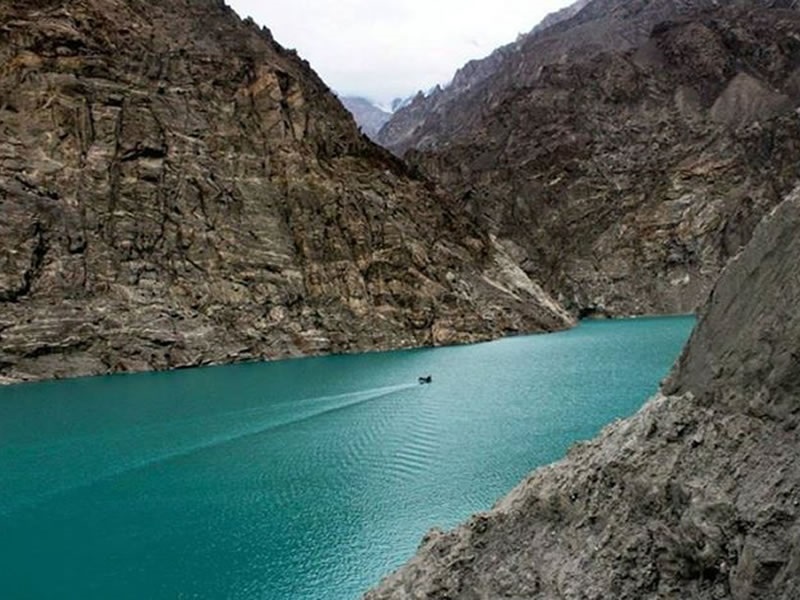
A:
(407, 126)
(177, 189)
(410, 125)
(370, 118)
(620, 158)
(697, 496)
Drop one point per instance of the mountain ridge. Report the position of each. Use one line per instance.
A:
(178, 189)
(694, 497)
(368, 115)
(623, 179)
(654, 176)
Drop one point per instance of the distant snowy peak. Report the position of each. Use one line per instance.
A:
(372, 117)
(399, 103)
(369, 116)
(401, 131)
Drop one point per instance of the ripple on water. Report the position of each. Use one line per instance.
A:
(277, 481)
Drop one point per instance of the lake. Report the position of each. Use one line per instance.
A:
(300, 479)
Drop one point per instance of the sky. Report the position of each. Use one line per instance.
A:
(383, 49)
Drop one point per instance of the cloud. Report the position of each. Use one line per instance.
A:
(381, 49)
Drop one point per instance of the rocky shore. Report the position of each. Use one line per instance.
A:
(695, 497)
(178, 189)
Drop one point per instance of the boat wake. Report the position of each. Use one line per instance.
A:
(234, 425)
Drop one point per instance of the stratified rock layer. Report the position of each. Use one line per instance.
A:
(623, 155)
(697, 496)
(177, 189)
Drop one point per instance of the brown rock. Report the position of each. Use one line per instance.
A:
(178, 189)
(626, 152)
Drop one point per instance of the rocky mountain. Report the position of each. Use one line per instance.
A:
(406, 128)
(624, 154)
(399, 103)
(560, 15)
(369, 117)
(177, 189)
(695, 497)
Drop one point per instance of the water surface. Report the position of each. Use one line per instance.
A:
(303, 479)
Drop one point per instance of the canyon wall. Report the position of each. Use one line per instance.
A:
(623, 155)
(177, 189)
(695, 497)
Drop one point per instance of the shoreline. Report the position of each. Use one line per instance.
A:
(6, 381)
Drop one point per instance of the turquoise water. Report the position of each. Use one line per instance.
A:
(304, 479)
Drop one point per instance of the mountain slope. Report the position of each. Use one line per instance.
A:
(578, 31)
(177, 189)
(368, 116)
(695, 497)
(623, 159)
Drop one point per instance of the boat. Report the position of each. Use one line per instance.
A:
(426, 379)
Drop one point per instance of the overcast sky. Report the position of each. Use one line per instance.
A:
(385, 49)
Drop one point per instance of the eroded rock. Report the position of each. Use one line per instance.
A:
(697, 496)
(178, 189)
(628, 151)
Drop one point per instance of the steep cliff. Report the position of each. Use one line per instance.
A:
(177, 189)
(697, 496)
(623, 155)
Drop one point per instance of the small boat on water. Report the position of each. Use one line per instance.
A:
(426, 379)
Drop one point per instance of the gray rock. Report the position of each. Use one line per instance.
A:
(626, 152)
(697, 496)
(369, 117)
